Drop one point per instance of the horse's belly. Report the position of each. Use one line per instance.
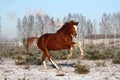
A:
(57, 47)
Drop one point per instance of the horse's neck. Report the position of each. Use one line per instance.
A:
(64, 35)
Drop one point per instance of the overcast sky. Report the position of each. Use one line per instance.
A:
(11, 10)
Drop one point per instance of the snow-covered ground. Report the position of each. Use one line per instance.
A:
(99, 70)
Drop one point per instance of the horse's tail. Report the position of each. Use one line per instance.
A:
(29, 42)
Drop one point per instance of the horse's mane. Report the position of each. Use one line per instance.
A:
(63, 27)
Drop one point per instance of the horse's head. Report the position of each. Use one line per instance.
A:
(69, 28)
(72, 28)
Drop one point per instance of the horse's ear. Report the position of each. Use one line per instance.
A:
(77, 23)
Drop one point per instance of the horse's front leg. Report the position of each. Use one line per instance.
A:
(71, 49)
(80, 47)
(70, 54)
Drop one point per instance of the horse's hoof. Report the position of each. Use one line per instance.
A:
(69, 56)
(61, 72)
(82, 56)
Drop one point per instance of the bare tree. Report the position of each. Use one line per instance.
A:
(89, 28)
(47, 24)
(0, 26)
(31, 25)
(118, 17)
(82, 26)
(39, 25)
(19, 29)
(52, 23)
(25, 31)
(57, 24)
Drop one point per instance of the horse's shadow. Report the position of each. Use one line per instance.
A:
(64, 65)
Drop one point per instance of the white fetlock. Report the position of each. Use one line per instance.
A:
(45, 66)
(54, 64)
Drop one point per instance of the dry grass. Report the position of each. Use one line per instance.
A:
(116, 61)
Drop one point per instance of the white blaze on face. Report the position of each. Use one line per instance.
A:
(75, 26)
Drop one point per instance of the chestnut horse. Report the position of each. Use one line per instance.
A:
(60, 40)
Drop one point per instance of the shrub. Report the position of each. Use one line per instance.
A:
(116, 61)
(19, 60)
(81, 69)
(5, 78)
(7, 53)
(33, 59)
(95, 54)
(117, 58)
(12, 52)
(60, 55)
(109, 53)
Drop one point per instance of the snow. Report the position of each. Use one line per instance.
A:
(99, 70)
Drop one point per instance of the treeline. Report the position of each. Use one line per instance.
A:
(36, 25)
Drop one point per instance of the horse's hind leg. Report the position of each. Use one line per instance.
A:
(49, 58)
(43, 60)
(46, 54)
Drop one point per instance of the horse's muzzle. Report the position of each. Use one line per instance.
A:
(75, 35)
